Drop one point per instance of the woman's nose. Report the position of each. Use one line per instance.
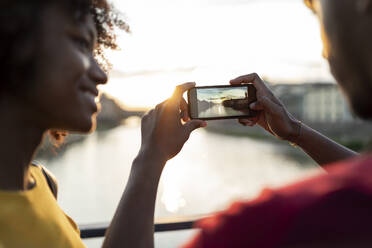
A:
(97, 74)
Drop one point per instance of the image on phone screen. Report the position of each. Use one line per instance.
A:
(221, 102)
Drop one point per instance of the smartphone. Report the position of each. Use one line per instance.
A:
(221, 102)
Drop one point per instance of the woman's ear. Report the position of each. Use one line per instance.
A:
(364, 6)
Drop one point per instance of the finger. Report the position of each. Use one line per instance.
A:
(160, 105)
(248, 122)
(270, 106)
(184, 110)
(249, 78)
(159, 108)
(253, 78)
(148, 114)
(245, 122)
(178, 92)
(252, 119)
(194, 124)
(256, 106)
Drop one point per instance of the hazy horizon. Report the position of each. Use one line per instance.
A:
(211, 42)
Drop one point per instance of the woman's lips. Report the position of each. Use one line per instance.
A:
(91, 99)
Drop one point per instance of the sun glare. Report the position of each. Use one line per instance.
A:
(211, 42)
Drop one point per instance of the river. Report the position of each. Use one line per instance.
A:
(92, 175)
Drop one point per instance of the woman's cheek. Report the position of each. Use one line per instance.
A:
(85, 62)
(79, 65)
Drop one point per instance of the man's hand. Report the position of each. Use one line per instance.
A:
(273, 116)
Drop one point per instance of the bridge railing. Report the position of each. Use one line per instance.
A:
(99, 230)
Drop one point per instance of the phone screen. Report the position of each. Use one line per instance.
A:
(221, 102)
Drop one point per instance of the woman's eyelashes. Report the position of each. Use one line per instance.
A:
(83, 44)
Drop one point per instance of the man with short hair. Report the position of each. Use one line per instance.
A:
(329, 210)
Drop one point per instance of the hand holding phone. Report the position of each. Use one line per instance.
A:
(163, 133)
(221, 102)
(272, 114)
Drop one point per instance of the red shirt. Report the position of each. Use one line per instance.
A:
(329, 208)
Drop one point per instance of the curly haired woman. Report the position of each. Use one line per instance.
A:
(49, 53)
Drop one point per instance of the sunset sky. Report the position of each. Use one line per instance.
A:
(217, 95)
(211, 42)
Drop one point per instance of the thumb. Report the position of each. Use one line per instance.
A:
(269, 106)
(194, 124)
(256, 106)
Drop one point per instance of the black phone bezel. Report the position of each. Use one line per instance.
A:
(250, 88)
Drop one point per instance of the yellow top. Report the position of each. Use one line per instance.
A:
(33, 219)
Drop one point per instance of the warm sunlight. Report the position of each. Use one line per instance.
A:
(211, 42)
(99, 150)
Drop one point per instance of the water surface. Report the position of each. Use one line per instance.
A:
(211, 171)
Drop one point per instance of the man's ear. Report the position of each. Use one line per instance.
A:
(309, 4)
(364, 6)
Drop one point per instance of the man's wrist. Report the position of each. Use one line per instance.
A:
(295, 134)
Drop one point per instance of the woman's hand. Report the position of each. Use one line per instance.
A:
(163, 132)
(163, 136)
(273, 116)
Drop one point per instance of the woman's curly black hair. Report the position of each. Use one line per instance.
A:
(19, 34)
(19, 22)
